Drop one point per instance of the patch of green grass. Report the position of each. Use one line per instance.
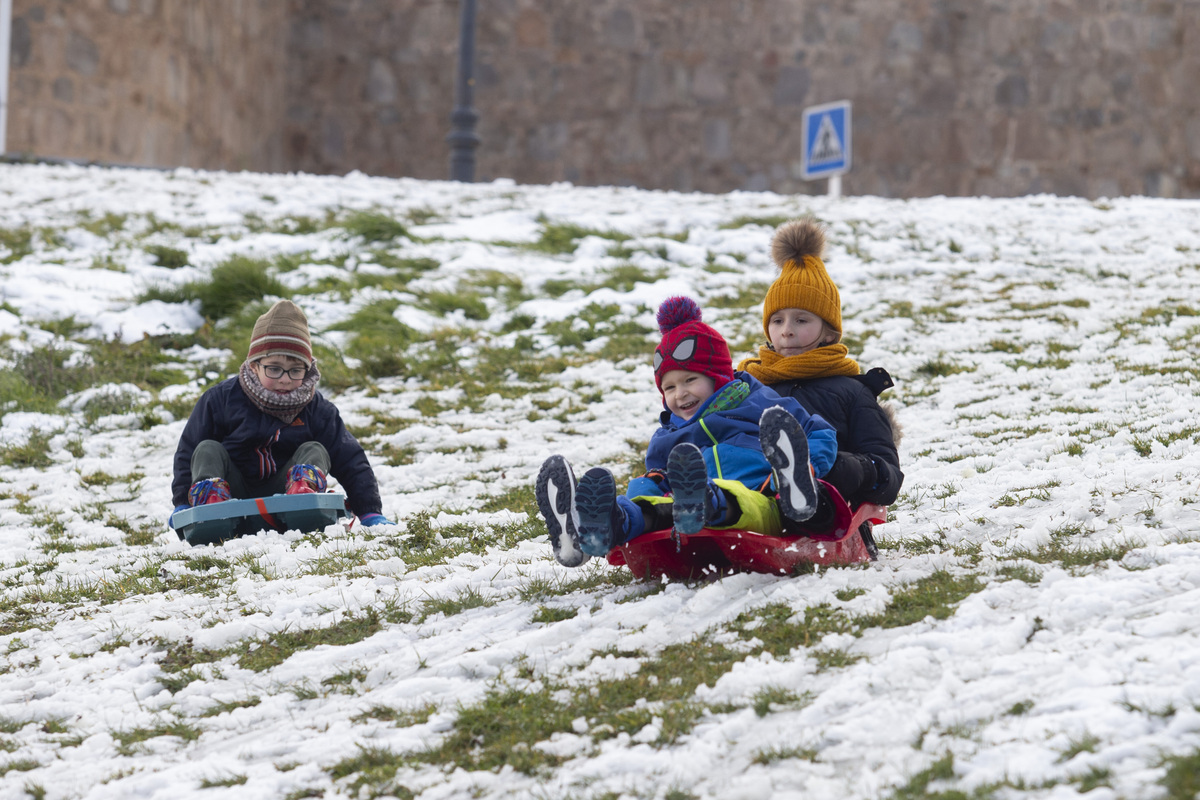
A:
(778, 629)
(1182, 778)
(231, 780)
(102, 226)
(234, 284)
(136, 534)
(169, 257)
(563, 238)
(772, 698)
(19, 765)
(400, 718)
(278, 647)
(546, 614)
(1005, 346)
(1085, 744)
(217, 709)
(773, 755)
(941, 367)
(34, 452)
(626, 337)
(745, 295)
(917, 787)
(1077, 556)
(766, 222)
(380, 340)
(934, 596)
(471, 303)
(15, 244)
(345, 681)
(128, 741)
(374, 769)
(1020, 709)
(449, 606)
(374, 226)
(1021, 572)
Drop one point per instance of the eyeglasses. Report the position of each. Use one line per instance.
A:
(295, 373)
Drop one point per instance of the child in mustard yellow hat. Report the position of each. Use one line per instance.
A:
(804, 358)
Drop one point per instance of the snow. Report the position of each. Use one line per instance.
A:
(1043, 350)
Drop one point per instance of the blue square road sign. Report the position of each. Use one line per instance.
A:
(826, 134)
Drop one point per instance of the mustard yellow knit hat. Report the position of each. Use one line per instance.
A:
(803, 282)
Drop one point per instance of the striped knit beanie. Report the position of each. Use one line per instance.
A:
(282, 331)
(803, 282)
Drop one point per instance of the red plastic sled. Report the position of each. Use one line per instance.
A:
(716, 552)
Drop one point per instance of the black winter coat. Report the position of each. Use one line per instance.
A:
(851, 406)
(258, 442)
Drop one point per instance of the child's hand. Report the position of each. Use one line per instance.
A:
(171, 519)
(375, 519)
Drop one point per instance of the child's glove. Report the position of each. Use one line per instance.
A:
(652, 484)
(171, 519)
(375, 519)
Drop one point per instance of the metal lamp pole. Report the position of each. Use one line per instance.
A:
(462, 138)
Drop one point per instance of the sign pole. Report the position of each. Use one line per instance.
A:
(835, 187)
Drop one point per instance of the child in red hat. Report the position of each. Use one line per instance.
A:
(269, 431)
(722, 438)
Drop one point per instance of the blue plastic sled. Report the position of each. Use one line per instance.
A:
(216, 522)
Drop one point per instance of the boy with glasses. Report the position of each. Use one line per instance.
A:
(269, 431)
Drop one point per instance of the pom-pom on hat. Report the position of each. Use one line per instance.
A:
(690, 344)
(283, 331)
(803, 282)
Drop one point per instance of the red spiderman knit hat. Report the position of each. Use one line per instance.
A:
(283, 330)
(690, 344)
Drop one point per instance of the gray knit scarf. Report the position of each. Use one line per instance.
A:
(283, 405)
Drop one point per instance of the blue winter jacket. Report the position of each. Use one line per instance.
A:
(259, 443)
(729, 438)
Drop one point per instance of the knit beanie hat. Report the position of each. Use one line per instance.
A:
(690, 344)
(283, 331)
(803, 282)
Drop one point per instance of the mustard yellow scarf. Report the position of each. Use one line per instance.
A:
(821, 362)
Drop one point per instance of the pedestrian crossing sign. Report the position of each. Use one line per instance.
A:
(826, 135)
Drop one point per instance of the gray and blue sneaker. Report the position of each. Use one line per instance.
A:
(689, 487)
(786, 449)
(600, 518)
(555, 492)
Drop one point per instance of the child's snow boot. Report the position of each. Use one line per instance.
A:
(305, 479)
(689, 487)
(555, 492)
(786, 449)
(209, 490)
(601, 520)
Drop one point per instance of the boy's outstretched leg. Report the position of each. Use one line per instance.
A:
(555, 492)
(786, 448)
(601, 523)
(689, 487)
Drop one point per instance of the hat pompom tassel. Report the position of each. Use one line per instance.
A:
(676, 311)
(796, 240)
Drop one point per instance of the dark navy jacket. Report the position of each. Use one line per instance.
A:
(729, 438)
(850, 404)
(259, 444)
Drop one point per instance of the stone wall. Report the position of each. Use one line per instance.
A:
(149, 82)
(957, 97)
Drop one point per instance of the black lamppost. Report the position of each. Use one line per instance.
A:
(462, 138)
